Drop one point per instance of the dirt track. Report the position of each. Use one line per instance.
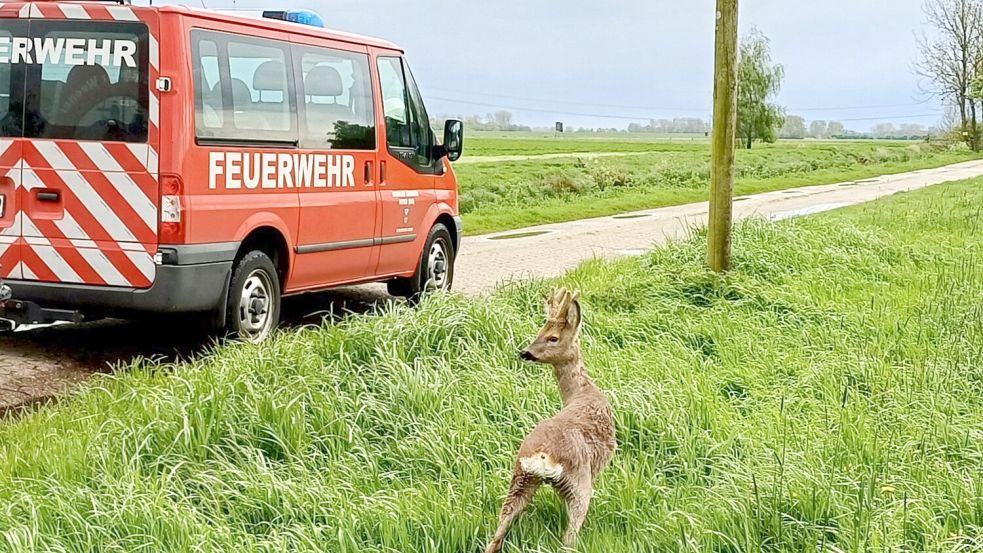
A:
(40, 364)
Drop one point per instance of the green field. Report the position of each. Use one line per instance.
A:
(522, 143)
(508, 194)
(827, 395)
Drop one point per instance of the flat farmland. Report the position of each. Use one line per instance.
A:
(521, 143)
(534, 178)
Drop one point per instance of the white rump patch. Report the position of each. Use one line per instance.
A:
(541, 465)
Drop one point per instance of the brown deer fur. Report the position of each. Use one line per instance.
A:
(569, 450)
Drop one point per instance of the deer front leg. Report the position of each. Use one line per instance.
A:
(577, 493)
(521, 491)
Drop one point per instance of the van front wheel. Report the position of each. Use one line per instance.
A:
(253, 308)
(434, 272)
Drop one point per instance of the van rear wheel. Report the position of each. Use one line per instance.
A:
(253, 308)
(435, 271)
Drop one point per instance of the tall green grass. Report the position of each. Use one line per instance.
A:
(827, 395)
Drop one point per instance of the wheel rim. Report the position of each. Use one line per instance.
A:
(438, 266)
(256, 307)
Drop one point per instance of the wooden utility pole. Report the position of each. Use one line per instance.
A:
(724, 132)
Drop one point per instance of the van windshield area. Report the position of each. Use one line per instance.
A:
(74, 80)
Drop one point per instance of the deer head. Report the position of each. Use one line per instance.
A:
(558, 342)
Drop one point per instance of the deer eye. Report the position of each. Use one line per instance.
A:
(553, 339)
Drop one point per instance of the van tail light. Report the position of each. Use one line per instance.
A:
(172, 224)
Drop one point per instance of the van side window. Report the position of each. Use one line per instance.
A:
(207, 78)
(259, 87)
(252, 100)
(394, 103)
(407, 125)
(423, 138)
(335, 92)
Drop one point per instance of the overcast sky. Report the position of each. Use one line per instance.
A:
(574, 60)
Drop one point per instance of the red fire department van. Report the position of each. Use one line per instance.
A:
(173, 160)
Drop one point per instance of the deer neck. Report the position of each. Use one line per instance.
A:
(572, 378)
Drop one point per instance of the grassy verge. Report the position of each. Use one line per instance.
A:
(826, 395)
(506, 195)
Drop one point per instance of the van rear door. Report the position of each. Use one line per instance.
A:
(11, 153)
(88, 194)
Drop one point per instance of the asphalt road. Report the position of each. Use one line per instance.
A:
(40, 364)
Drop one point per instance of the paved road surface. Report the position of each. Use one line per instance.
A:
(487, 260)
(40, 364)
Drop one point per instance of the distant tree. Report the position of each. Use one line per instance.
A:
(951, 58)
(503, 119)
(884, 130)
(794, 127)
(758, 81)
(835, 129)
(911, 131)
(817, 129)
(692, 125)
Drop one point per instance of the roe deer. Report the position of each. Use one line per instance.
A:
(569, 450)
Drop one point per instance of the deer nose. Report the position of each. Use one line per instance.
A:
(526, 356)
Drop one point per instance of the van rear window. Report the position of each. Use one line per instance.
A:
(81, 80)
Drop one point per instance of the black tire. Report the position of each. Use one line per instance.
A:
(253, 308)
(435, 270)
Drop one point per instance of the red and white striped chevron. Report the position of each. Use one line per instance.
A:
(105, 231)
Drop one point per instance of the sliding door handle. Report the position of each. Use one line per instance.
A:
(368, 173)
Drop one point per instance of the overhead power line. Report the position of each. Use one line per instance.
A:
(538, 110)
(646, 117)
(890, 117)
(570, 103)
(850, 108)
(639, 107)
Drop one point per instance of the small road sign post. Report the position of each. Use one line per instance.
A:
(724, 132)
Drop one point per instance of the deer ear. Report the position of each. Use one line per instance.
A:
(575, 313)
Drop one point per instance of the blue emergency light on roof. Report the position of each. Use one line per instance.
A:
(304, 17)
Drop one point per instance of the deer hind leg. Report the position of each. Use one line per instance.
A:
(521, 491)
(577, 491)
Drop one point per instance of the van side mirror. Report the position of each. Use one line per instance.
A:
(453, 145)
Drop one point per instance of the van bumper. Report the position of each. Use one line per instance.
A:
(176, 289)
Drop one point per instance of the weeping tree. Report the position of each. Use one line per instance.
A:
(759, 80)
(952, 57)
